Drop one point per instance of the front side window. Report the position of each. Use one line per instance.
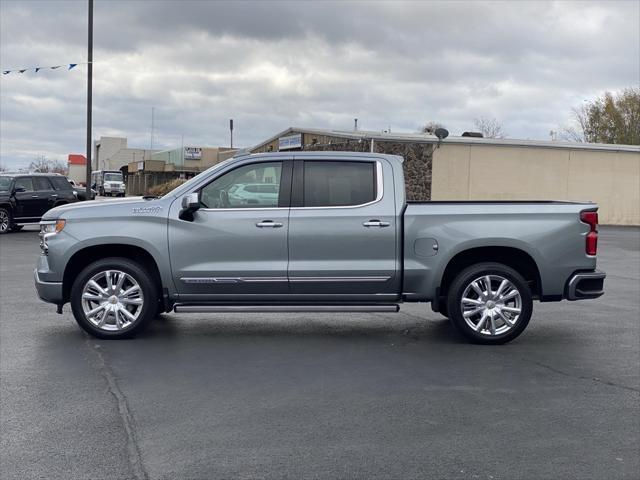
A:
(338, 184)
(250, 186)
(24, 182)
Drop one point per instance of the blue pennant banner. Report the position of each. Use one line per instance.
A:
(37, 69)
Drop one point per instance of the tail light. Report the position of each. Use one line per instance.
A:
(591, 219)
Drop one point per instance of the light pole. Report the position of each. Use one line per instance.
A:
(89, 94)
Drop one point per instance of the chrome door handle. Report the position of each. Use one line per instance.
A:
(55, 195)
(376, 223)
(268, 223)
(35, 196)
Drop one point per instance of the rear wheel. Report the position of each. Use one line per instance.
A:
(5, 220)
(490, 303)
(114, 298)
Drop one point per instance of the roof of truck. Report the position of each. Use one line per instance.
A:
(333, 155)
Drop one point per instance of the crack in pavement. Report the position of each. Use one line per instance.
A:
(581, 377)
(133, 447)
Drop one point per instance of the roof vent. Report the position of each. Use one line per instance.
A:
(473, 134)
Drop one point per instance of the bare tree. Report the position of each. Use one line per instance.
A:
(43, 165)
(431, 127)
(489, 127)
(607, 119)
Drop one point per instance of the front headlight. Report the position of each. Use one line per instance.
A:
(47, 230)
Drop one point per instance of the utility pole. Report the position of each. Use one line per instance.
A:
(89, 94)
(231, 131)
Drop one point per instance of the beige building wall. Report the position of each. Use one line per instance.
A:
(490, 172)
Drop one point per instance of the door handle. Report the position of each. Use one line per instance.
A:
(268, 224)
(55, 195)
(376, 223)
(35, 196)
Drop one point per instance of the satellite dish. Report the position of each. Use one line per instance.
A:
(441, 133)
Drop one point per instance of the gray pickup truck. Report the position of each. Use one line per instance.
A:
(329, 232)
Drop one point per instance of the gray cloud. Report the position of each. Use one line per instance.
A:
(271, 65)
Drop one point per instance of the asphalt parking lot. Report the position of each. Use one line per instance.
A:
(393, 396)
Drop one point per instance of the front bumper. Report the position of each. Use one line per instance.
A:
(585, 285)
(48, 291)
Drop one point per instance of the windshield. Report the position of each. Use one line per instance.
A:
(112, 177)
(5, 183)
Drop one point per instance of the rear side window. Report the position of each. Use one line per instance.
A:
(338, 184)
(60, 183)
(24, 182)
(41, 183)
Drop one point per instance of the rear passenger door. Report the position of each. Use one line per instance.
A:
(342, 230)
(46, 195)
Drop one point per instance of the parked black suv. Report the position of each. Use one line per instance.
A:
(25, 197)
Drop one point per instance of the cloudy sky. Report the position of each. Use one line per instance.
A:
(271, 65)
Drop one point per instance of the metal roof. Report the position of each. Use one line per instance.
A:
(428, 138)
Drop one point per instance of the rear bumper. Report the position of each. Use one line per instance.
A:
(585, 285)
(48, 291)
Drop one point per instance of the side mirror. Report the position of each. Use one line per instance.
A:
(19, 189)
(190, 203)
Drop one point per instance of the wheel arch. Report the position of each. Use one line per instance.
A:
(83, 257)
(513, 257)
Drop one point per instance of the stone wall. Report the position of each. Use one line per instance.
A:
(418, 159)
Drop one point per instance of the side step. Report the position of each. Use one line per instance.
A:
(284, 308)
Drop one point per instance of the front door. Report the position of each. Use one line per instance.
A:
(343, 231)
(236, 243)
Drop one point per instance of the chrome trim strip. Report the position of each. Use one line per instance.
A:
(240, 209)
(379, 193)
(338, 279)
(209, 280)
(284, 308)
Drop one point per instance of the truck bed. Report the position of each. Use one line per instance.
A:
(549, 232)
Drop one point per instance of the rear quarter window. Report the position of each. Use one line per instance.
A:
(60, 183)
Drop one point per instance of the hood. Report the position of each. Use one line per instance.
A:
(126, 206)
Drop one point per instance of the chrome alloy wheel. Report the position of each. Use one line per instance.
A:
(491, 305)
(112, 300)
(4, 220)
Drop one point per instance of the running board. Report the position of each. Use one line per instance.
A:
(283, 308)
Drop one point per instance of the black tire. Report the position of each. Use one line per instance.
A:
(101, 192)
(6, 221)
(139, 274)
(464, 279)
(16, 228)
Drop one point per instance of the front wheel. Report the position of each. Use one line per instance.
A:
(114, 298)
(490, 303)
(5, 221)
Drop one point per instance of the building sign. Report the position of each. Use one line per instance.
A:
(290, 141)
(192, 153)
